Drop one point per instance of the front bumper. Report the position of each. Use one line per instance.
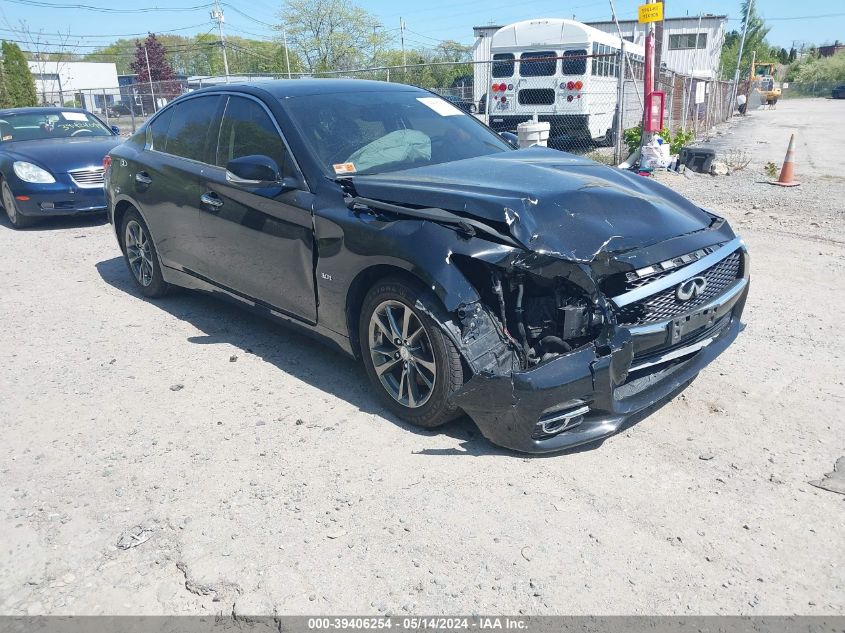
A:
(619, 384)
(63, 197)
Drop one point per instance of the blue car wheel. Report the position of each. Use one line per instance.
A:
(17, 220)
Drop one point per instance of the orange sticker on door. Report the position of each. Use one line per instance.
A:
(344, 168)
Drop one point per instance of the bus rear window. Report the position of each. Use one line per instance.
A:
(503, 68)
(538, 64)
(574, 62)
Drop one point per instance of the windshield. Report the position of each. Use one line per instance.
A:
(377, 132)
(32, 126)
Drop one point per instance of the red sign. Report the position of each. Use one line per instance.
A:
(654, 111)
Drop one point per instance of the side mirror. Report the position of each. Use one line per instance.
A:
(253, 171)
(115, 129)
(511, 138)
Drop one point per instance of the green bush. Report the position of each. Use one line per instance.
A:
(633, 137)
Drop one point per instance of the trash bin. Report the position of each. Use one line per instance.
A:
(697, 159)
(533, 133)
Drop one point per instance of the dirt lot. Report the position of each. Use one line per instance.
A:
(274, 481)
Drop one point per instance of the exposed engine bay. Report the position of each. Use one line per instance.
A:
(542, 318)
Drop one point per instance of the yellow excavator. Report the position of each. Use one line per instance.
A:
(764, 82)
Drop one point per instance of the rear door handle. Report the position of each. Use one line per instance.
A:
(211, 199)
(143, 178)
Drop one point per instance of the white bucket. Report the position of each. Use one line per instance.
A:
(533, 133)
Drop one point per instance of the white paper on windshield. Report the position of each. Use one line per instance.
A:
(440, 106)
(74, 116)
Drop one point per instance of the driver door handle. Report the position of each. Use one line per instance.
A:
(211, 199)
(143, 178)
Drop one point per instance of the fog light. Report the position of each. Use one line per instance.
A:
(561, 421)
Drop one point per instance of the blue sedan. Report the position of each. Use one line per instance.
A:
(51, 162)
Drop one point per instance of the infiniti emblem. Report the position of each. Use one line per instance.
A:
(691, 288)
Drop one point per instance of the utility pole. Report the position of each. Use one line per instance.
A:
(217, 16)
(739, 57)
(402, 38)
(648, 76)
(287, 54)
(150, 77)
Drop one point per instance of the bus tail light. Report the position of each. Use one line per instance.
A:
(570, 85)
(569, 97)
(579, 85)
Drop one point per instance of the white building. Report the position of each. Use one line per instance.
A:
(93, 85)
(691, 45)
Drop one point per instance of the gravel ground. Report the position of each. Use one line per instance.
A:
(182, 456)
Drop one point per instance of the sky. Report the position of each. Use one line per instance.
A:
(427, 23)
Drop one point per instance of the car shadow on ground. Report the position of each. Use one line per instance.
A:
(293, 353)
(57, 223)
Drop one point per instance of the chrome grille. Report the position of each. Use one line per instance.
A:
(91, 177)
(665, 305)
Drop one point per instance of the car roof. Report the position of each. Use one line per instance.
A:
(282, 88)
(44, 110)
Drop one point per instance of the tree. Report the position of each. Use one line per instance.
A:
(793, 55)
(755, 43)
(5, 97)
(150, 63)
(332, 34)
(19, 79)
(783, 56)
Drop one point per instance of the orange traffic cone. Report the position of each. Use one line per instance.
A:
(787, 172)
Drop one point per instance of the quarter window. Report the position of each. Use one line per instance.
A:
(538, 64)
(191, 126)
(248, 130)
(503, 65)
(157, 130)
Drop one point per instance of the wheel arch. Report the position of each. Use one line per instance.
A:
(120, 209)
(358, 289)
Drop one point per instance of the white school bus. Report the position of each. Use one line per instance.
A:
(566, 73)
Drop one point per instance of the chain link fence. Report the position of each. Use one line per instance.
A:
(589, 101)
(797, 90)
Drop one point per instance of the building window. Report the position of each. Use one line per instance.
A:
(687, 41)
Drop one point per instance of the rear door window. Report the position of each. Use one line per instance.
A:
(575, 62)
(248, 130)
(503, 65)
(538, 64)
(193, 124)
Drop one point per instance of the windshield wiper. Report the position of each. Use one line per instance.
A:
(434, 214)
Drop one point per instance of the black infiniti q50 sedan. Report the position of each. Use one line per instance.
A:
(548, 297)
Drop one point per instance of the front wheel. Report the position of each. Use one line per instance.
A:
(411, 363)
(17, 220)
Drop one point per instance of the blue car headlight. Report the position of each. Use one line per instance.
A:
(32, 173)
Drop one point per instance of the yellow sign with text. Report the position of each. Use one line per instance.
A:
(650, 12)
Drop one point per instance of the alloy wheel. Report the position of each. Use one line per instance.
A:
(9, 203)
(402, 354)
(139, 253)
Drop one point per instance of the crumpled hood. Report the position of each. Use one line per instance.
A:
(552, 202)
(63, 154)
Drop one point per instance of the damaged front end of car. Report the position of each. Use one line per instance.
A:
(567, 344)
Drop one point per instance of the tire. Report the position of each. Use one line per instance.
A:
(141, 256)
(430, 365)
(17, 220)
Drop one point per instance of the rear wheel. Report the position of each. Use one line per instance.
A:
(411, 363)
(17, 220)
(141, 256)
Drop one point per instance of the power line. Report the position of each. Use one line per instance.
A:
(100, 36)
(88, 7)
